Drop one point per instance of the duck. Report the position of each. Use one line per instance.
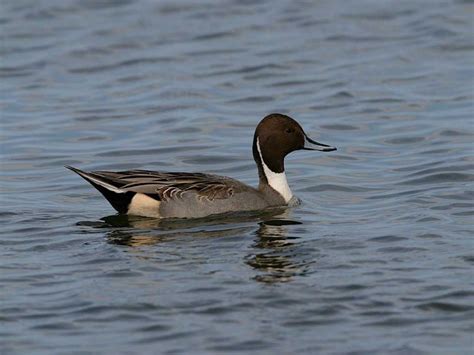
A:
(160, 194)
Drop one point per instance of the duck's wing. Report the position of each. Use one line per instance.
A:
(162, 186)
(170, 185)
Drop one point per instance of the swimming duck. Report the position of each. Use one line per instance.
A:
(194, 195)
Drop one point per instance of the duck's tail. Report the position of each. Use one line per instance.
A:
(119, 199)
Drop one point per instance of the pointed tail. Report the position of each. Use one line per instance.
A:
(118, 198)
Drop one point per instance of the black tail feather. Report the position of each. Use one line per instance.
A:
(119, 201)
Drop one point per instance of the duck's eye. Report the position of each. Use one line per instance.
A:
(289, 130)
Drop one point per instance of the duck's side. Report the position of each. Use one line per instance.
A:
(176, 195)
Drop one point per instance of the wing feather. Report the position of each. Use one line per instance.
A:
(173, 185)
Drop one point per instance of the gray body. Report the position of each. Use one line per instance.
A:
(244, 198)
(179, 195)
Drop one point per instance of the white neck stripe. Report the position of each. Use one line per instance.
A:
(276, 180)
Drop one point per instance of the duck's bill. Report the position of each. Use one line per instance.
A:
(309, 144)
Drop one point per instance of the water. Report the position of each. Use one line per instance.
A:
(377, 259)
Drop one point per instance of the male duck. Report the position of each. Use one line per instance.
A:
(193, 195)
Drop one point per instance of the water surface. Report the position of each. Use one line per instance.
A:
(377, 259)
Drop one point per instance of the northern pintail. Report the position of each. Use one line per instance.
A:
(194, 195)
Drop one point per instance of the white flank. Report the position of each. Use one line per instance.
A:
(142, 205)
(276, 180)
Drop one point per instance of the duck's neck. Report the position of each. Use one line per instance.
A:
(276, 180)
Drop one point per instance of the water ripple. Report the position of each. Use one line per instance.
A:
(379, 248)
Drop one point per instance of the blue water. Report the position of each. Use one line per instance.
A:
(378, 258)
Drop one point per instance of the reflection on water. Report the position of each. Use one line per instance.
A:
(274, 253)
(275, 250)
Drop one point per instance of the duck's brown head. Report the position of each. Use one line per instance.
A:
(278, 135)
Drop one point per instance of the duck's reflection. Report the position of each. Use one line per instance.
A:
(275, 252)
(273, 255)
(136, 231)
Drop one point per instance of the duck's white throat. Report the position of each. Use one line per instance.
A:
(277, 181)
